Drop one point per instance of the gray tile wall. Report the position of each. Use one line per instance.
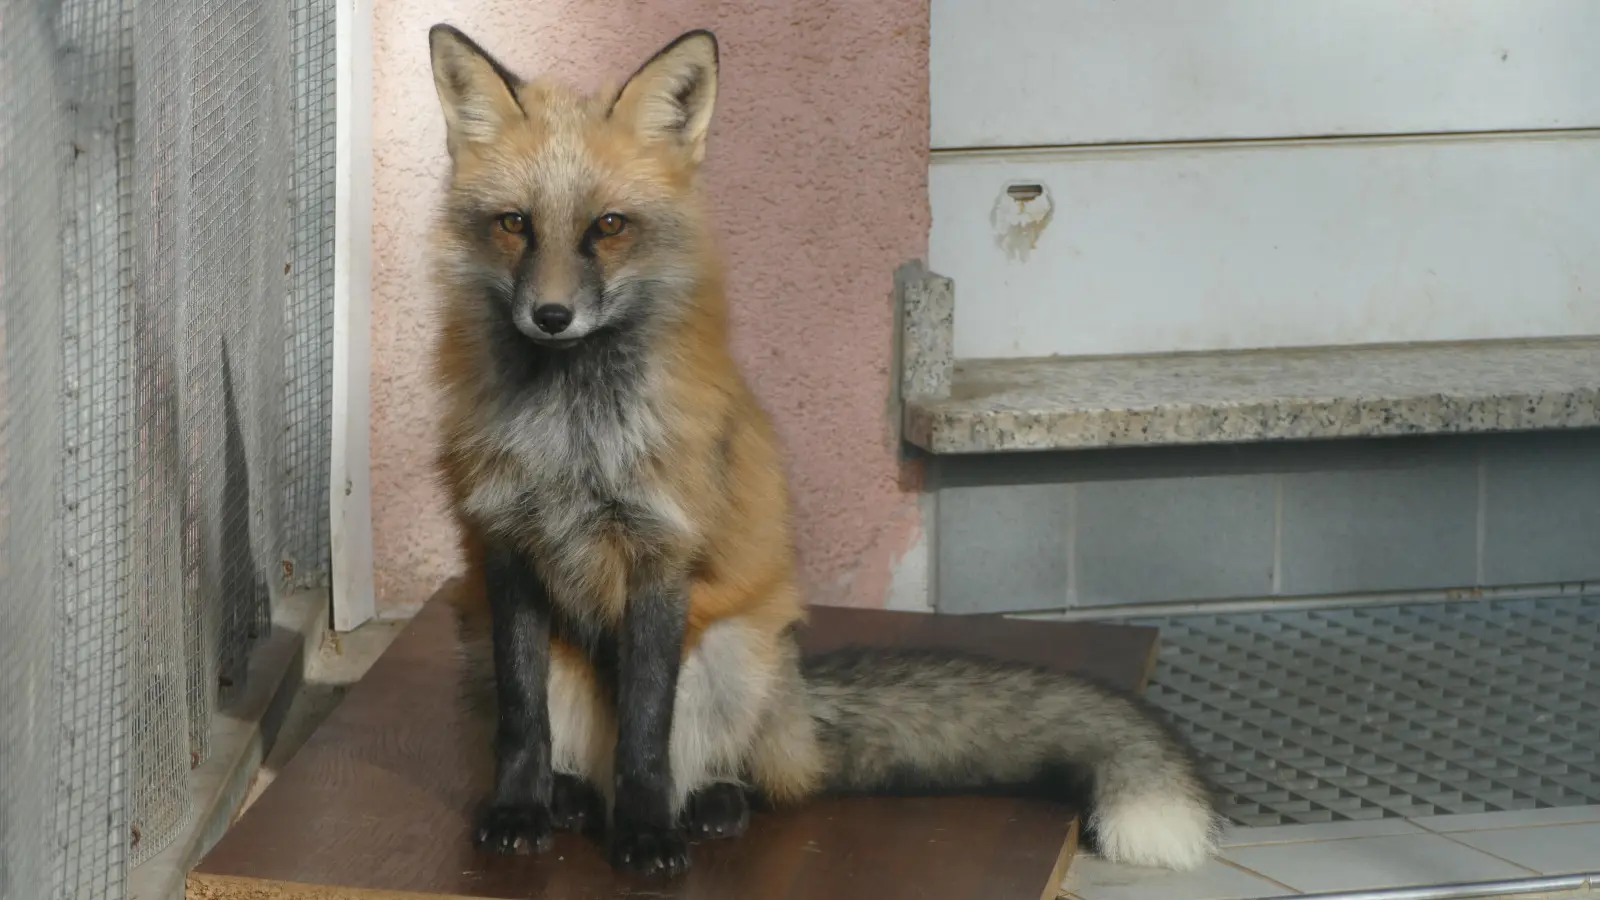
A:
(1199, 537)
(1096, 528)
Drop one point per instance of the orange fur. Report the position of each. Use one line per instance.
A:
(625, 469)
(740, 558)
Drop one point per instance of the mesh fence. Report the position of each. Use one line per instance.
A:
(310, 321)
(166, 219)
(30, 444)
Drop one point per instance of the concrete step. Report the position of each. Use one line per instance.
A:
(1058, 403)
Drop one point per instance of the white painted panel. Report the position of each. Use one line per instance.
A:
(350, 481)
(1270, 245)
(1049, 72)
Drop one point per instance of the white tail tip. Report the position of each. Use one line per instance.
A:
(1157, 832)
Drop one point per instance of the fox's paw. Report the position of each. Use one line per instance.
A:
(648, 850)
(717, 811)
(517, 829)
(574, 804)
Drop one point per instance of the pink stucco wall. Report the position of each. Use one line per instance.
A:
(818, 177)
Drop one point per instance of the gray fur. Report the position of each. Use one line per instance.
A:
(573, 430)
(926, 721)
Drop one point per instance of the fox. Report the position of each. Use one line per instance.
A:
(630, 599)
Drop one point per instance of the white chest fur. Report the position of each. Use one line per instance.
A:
(573, 462)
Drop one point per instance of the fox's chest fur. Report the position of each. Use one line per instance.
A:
(571, 470)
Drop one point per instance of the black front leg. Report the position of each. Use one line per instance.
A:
(517, 817)
(645, 835)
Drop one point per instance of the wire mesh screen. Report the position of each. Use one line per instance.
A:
(166, 220)
(30, 444)
(310, 320)
(92, 794)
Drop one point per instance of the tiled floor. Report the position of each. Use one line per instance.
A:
(1286, 861)
(1382, 747)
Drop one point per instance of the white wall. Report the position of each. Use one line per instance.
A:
(1250, 214)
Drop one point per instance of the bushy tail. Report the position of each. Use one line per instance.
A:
(933, 722)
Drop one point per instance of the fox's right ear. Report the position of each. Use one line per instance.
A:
(477, 93)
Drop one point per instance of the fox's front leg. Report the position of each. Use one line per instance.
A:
(516, 818)
(645, 833)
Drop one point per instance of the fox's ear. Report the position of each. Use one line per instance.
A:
(671, 97)
(477, 93)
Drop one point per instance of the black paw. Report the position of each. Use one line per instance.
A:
(574, 804)
(647, 850)
(508, 829)
(717, 811)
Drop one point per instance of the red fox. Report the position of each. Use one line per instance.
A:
(631, 584)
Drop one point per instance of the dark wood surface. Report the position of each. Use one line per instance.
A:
(381, 797)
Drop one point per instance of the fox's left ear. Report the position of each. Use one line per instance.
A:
(671, 97)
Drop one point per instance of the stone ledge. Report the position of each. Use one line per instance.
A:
(1059, 403)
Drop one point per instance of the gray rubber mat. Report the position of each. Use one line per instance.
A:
(1390, 712)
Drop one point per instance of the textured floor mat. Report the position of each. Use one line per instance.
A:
(1387, 712)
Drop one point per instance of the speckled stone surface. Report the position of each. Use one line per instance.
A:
(926, 306)
(1270, 395)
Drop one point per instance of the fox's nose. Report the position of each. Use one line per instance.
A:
(552, 318)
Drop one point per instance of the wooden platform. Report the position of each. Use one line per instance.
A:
(378, 804)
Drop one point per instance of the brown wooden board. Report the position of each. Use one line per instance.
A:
(378, 803)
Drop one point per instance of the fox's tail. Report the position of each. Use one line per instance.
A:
(933, 722)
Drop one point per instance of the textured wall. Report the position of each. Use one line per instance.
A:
(817, 172)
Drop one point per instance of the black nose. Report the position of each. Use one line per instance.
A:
(552, 318)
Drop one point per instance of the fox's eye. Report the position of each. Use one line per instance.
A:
(610, 225)
(514, 223)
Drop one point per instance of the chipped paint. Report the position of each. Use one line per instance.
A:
(1021, 213)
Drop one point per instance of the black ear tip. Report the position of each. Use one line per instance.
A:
(700, 34)
(443, 31)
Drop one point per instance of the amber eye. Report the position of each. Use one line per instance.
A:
(610, 225)
(514, 223)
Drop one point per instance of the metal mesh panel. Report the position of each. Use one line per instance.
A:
(30, 445)
(1400, 711)
(165, 296)
(170, 727)
(233, 309)
(92, 823)
(310, 318)
(163, 730)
